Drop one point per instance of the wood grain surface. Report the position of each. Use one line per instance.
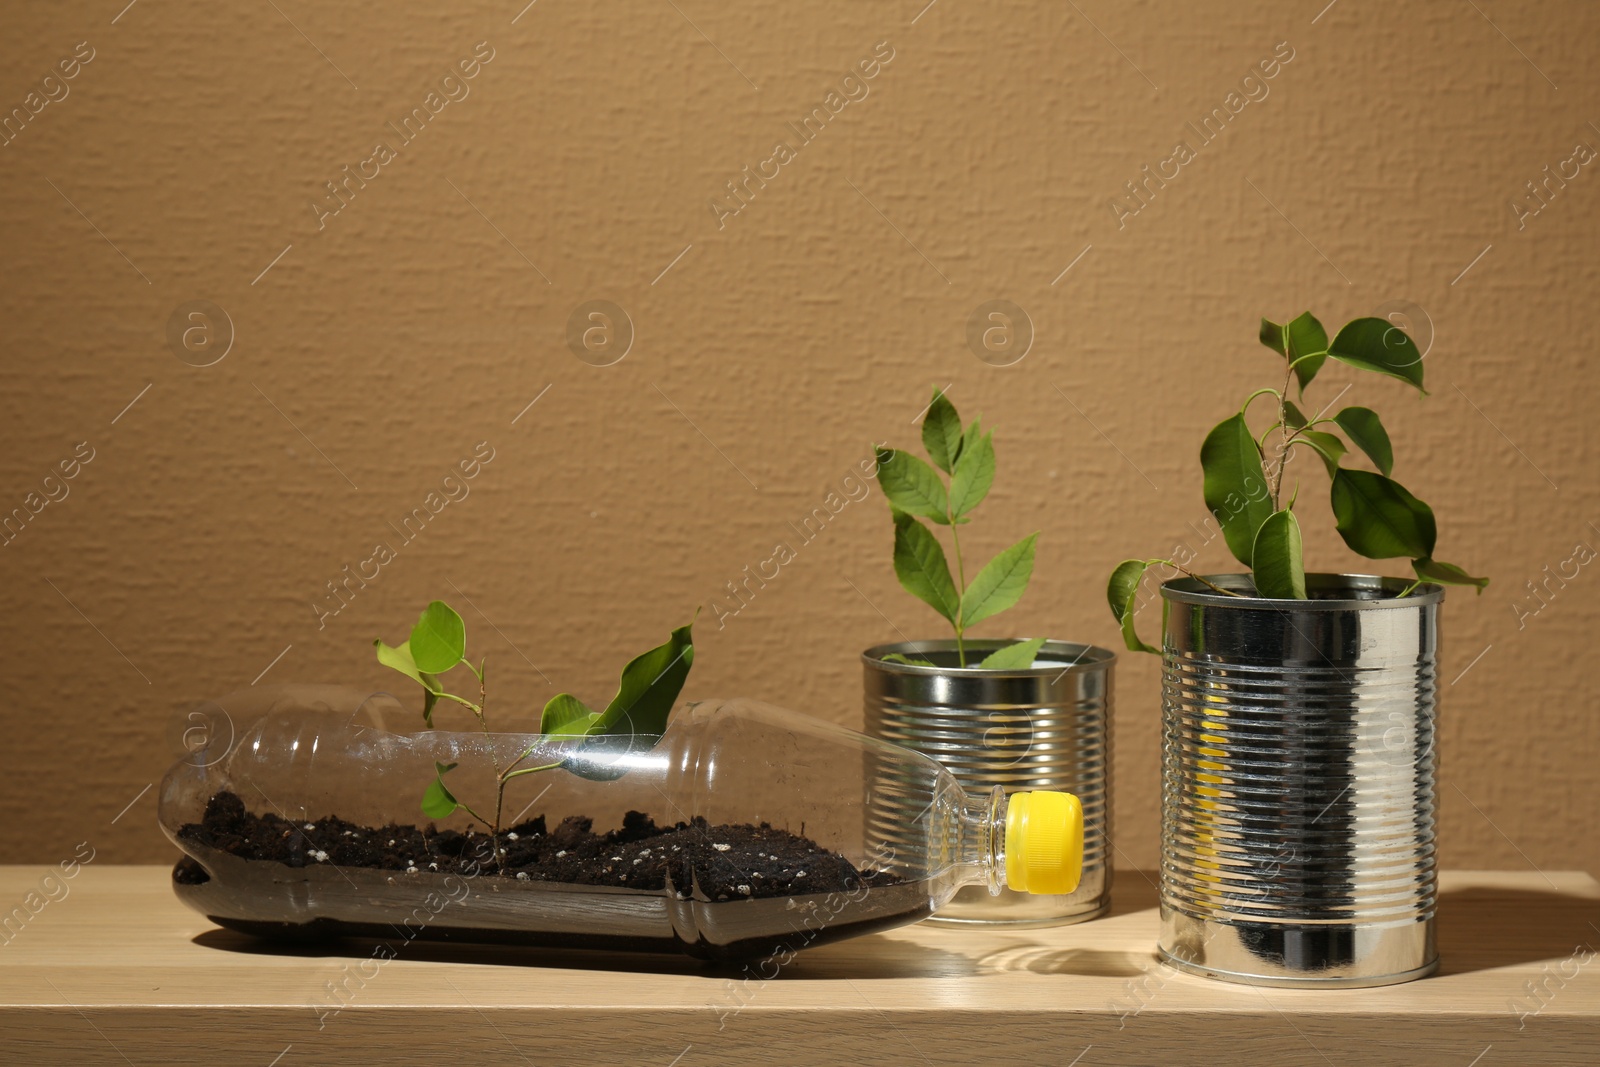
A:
(117, 972)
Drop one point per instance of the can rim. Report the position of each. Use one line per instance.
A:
(1075, 657)
(1369, 592)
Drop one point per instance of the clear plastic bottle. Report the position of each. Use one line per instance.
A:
(745, 831)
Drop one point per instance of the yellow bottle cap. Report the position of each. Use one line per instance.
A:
(1044, 842)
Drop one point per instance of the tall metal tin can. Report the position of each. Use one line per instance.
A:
(1043, 727)
(1298, 798)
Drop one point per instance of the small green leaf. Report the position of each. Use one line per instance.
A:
(1015, 657)
(1326, 445)
(437, 800)
(566, 714)
(439, 639)
(1235, 485)
(898, 657)
(1000, 584)
(398, 659)
(1124, 584)
(1303, 336)
(650, 686)
(1272, 335)
(1306, 338)
(1379, 345)
(1379, 519)
(941, 432)
(1279, 571)
(637, 715)
(973, 476)
(1293, 417)
(970, 438)
(1433, 570)
(912, 486)
(920, 565)
(1366, 432)
(1122, 594)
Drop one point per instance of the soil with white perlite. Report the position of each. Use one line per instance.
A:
(720, 892)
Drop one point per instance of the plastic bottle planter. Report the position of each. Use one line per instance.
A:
(1298, 796)
(740, 833)
(1045, 727)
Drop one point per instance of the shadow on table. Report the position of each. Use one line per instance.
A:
(1132, 892)
(1084, 962)
(863, 958)
(1482, 928)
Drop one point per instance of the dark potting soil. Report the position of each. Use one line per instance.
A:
(725, 862)
(722, 893)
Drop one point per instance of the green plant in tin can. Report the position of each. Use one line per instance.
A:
(916, 491)
(1375, 515)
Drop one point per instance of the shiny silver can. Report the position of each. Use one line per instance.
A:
(1043, 727)
(1297, 797)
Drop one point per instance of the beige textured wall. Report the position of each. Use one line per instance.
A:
(376, 348)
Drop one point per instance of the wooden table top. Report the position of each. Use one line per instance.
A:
(116, 971)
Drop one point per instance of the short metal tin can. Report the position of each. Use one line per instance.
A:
(1043, 727)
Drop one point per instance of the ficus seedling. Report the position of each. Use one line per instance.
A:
(1377, 516)
(916, 491)
(650, 686)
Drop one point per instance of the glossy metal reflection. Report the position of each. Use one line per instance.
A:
(1298, 795)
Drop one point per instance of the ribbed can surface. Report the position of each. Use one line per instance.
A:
(1044, 727)
(1298, 792)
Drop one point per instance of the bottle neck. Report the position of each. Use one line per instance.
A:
(980, 840)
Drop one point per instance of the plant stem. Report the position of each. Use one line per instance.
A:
(1408, 590)
(472, 813)
(463, 701)
(1260, 392)
(961, 590)
(514, 763)
(1284, 436)
(1283, 461)
(1190, 574)
(494, 842)
(1261, 442)
(500, 790)
(530, 770)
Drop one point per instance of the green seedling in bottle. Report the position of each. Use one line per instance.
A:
(916, 491)
(1377, 516)
(650, 686)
